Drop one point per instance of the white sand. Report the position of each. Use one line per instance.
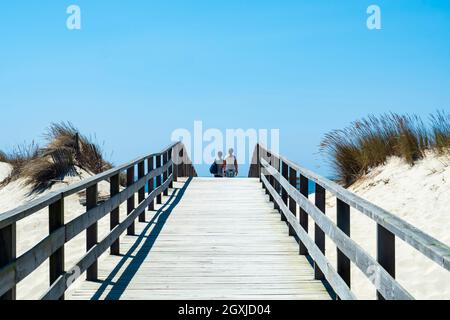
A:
(5, 171)
(33, 229)
(421, 196)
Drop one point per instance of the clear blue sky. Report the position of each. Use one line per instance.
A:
(139, 69)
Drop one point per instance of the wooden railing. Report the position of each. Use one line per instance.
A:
(156, 171)
(280, 177)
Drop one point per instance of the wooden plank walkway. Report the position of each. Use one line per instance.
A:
(211, 239)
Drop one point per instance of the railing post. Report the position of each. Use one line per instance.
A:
(114, 218)
(191, 170)
(56, 221)
(319, 235)
(175, 159)
(141, 192)
(263, 169)
(91, 232)
(151, 182)
(171, 169)
(8, 254)
(343, 223)
(269, 176)
(385, 252)
(184, 164)
(292, 203)
(180, 159)
(165, 175)
(276, 185)
(131, 200)
(284, 194)
(158, 179)
(258, 162)
(304, 190)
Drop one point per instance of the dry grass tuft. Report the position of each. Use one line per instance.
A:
(440, 128)
(3, 157)
(66, 149)
(64, 140)
(368, 143)
(18, 159)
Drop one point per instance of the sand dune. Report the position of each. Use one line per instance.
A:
(418, 194)
(421, 196)
(34, 228)
(5, 171)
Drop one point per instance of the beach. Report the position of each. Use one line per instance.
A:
(34, 228)
(417, 194)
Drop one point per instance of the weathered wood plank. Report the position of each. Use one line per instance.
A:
(141, 192)
(56, 221)
(319, 235)
(82, 222)
(237, 248)
(14, 270)
(385, 252)
(419, 240)
(343, 223)
(131, 205)
(61, 285)
(383, 281)
(34, 206)
(292, 203)
(92, 231)
(7, 256)
(151, 182)
(23, 266)
(285, 174)
(304, 190)
(115, 213)
(158, 179)
(170, 170)
(165, 174)
(339, 286)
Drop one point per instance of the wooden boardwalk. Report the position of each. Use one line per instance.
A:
(211, 239)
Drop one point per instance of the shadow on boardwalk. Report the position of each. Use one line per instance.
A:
(158, 221)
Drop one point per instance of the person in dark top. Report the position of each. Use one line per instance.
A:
(220, 165)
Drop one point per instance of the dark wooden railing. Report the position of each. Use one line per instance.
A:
(280, 179)
(165, 167)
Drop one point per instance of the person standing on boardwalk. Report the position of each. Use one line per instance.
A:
(218, 166)
(231, 165)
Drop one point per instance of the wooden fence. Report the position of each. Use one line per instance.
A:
(280, 177)
(157, 172)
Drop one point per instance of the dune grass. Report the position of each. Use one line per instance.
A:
(369, 142)
(66, 150)
(3, 156)
(66, 145)
(18, 158)
(440, 129)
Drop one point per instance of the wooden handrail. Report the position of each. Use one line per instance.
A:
(40, 203)
(339, 286)
(62, 284)
(381, 271)
(14, 269)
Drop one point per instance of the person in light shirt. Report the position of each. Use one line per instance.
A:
(230, 165)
